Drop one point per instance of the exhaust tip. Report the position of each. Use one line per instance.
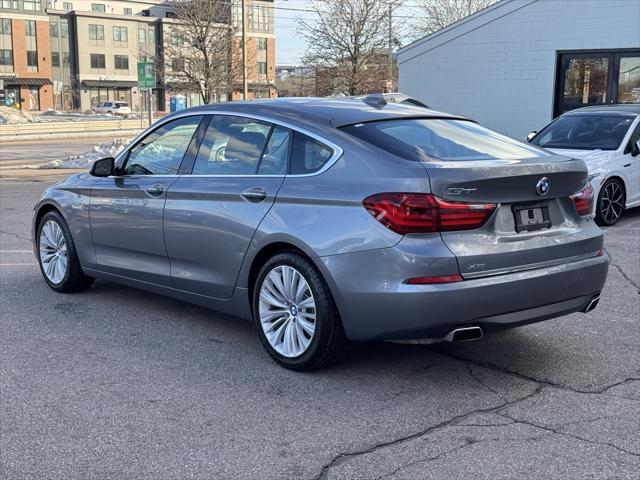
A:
(593, 303)
(464, 334)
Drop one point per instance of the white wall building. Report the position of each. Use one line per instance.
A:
(519, 63)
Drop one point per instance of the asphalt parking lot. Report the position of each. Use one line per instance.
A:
(118, 383)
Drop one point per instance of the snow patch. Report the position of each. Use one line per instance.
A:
(85, 159)
(12, 116)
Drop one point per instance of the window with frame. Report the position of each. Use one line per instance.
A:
(307, 155)
(151, 36)
(67, 6)
(55, 59)
(161, 152)
(121, 62)
(142, 35)
(120, 34)
(64, 28)
(259, 18)
(98, 61)
(32, 59)
(261, 68)
(98, 7)
(10, 4)
(32, 4)
(6, 58)
(30, 28)
(231, 146)
(127, 11)
(5, 26)
(261, 43)
(96, 32)
(53, 29)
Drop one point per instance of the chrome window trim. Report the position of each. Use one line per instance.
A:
(337, 151)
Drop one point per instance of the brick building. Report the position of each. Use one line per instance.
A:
(25, 55)
(73, 55)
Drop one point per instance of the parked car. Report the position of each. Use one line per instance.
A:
(329, 221)
(114, 108)
(607, 139)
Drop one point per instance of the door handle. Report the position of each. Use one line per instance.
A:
(255, 194)
(155, 190)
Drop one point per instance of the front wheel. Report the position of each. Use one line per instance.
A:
(57, 256)
(297, 319)
(611, 201)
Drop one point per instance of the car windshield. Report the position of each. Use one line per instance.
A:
(424, 139)
(585, 132)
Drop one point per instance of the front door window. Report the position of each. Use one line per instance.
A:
(161, 152)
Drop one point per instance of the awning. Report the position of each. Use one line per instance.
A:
(26, 81)
(109, 84)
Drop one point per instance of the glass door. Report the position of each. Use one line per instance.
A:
(584, 80)
(627, 73)
(594, 78)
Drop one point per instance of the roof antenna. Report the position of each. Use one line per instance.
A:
(375, 100)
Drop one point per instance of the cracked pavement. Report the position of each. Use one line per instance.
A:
(118, 383)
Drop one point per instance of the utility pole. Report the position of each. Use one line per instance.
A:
(391, 46)
(245, 85)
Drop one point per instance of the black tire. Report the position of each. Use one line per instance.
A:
(329, 344)
(74, 279)
(608, 217)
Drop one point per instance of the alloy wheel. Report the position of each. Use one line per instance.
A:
(611, 203)
(287, 311)
(53, 251)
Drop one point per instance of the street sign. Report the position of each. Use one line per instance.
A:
(146, 75)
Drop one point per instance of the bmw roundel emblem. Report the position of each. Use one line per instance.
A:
(543, 186)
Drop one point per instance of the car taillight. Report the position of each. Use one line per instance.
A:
(423, 213)
(584, 200)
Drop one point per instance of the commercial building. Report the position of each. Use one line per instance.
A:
(519, 63)
(73, 55)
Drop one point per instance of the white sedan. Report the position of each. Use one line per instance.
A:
(607, 138)
(114, 108)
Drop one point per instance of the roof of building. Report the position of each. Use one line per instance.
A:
(465, 25)
(328, 111)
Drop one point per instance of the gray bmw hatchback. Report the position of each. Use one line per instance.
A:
(329, 221)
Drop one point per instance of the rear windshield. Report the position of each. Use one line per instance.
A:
(585, 132)
(423, 139)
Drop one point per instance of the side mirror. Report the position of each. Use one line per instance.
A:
(531, 135)
(103, 167)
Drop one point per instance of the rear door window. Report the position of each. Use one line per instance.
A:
(424, 139)
(231, 146)
(308, 155)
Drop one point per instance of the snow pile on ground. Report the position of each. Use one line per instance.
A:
(10, 115)
(84, 160)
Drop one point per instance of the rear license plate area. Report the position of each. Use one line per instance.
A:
(531, 216)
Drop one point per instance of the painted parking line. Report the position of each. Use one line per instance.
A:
(16, 251)
(24, 264)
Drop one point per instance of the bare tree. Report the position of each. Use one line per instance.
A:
(199, 53)
(349, 41)
(437, 14)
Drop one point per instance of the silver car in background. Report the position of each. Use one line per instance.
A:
(329, 221)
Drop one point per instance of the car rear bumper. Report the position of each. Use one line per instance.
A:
(374, 302)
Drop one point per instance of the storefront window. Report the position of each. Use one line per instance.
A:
(34, 98)
(629, 80)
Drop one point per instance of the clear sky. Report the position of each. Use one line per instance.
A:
(290, 46)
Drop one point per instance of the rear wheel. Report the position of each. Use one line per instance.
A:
(297, 319)
(57, 256)
(611, 200)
